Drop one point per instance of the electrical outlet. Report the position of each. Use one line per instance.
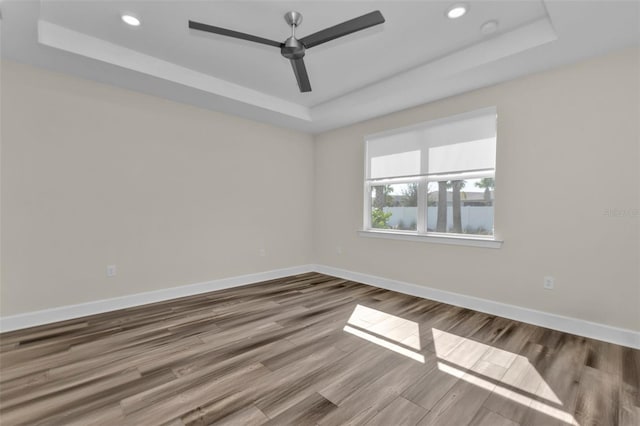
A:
(549, 283)
(111, 271)
(262, 252)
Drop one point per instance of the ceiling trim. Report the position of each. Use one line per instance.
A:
(59, 37)
(366, 102)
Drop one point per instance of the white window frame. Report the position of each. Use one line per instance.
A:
(422, 234)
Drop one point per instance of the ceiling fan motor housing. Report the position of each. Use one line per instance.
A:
(292, 48)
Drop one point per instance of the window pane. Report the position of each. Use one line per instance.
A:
(461, 206)
(394, 206)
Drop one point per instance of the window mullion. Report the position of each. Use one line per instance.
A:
(367, 205)
(422, 206)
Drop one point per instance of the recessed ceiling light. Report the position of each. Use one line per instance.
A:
(489, 27)
(456, 11)
(131, 20)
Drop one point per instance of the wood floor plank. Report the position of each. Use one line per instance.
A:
(400, 412)
(289, 385)
(366, 402)
(597, 408)
(628, 412)
(280, 352)
(248, 416)
(306, 412)
(154, 407)
(430, 388)
(462, 402)
(39, 409)
(560, 376)
(486, 417)
(355, 374)
(519, 385)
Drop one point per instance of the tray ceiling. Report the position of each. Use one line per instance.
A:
(418, 55)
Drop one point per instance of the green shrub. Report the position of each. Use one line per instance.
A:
(380, 219)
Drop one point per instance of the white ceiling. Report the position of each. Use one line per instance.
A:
(416, 56)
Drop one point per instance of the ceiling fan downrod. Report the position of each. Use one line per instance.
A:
(292, 47)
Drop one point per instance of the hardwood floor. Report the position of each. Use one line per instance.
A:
(311, 349)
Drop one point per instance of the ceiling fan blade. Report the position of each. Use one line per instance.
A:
(301, 74)
(365, 21)
(230, 33)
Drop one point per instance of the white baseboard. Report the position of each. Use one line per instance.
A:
(619, 336)
(576, 326)
(30, 319)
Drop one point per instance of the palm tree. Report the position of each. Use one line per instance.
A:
(456, 186)
(442, 207)
(382, 197)
(488, 184)
(410, 195)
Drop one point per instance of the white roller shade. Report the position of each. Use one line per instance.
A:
(395, 155)
(465, 142)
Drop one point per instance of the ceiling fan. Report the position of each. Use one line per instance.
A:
(294, 48)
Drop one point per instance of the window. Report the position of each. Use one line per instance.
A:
(433, 179)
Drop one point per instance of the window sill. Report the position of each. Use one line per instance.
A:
(437, 239)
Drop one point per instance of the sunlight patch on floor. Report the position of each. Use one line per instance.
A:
(386, 325)
(385, 343)
(506, 374)
(389, 331)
